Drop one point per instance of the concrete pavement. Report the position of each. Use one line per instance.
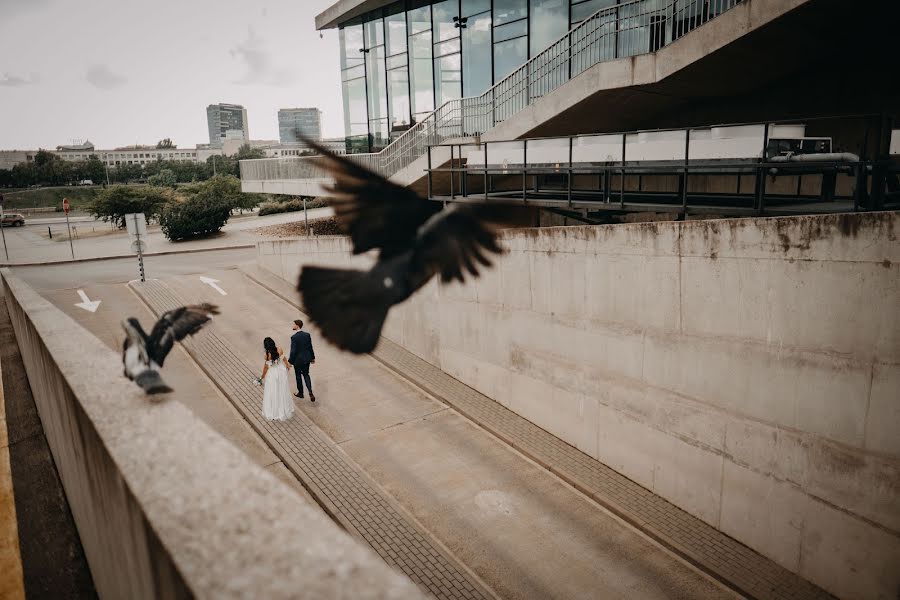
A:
(523, 531)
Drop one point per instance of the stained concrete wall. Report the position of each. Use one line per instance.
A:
(165, 507)
(746, 370)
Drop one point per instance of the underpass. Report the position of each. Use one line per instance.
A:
(522, 531)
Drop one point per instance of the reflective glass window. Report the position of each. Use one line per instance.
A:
(421, 74)
(377, 90)
(476, 47)
(398, 60)
(473, 7)
(508, 56)
(442, 14)
(419, 19)
(395, 33)
(398, 99)
(511, 30)
(374, 33)
(583, 10)
(355, 112)
(549, 21)
(351, 38)
(509, 10)
(447, 78)
(448, 47)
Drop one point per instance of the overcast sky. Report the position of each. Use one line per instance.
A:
(120, 72)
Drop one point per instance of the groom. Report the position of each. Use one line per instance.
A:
(301, 356)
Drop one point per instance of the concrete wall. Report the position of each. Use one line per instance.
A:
(746, 370)
(164, 506)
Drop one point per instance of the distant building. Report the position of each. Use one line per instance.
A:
(85, 145)
(335, 145)
(226, 121)
(306, 121)
(10, 158)
(140, 155)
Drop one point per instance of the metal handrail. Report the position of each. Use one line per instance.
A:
(628, 29)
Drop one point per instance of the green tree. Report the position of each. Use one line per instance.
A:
(113, 203)
(245, 152)
(165, 143)
(165, 178)
(126, 173)
(224, 188)
(95, 170)
(192, 217)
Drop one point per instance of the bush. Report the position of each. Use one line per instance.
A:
(291, 205)
(165, 178)
(224, 188)
(325, 226)
(113, 203)
(194, 217)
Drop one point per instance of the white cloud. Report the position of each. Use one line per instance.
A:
(100, 76)
(260, 66)
(13, 80)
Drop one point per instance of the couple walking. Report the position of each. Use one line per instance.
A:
(277, 402)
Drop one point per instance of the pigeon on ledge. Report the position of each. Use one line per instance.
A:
(143, 355)
(416, 239)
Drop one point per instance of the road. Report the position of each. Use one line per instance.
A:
(106, 281)
(30, 244)
(523, 531)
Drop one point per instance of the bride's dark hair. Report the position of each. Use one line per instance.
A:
(271, 348)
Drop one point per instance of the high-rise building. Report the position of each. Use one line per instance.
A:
(306, 121)
(226, 121)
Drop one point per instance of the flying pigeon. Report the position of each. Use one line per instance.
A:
(416, 240)
(143, 355)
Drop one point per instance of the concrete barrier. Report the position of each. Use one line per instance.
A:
(746, 370)
(164, 506)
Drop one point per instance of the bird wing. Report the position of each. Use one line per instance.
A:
(175, 325)
(345, 305)
(372, 210)
(458, 240)
(134, 349)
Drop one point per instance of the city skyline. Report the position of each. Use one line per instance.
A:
(118, 71)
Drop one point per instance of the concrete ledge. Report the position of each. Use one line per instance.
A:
(165, 507)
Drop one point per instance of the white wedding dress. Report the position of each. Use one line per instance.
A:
(278, 404)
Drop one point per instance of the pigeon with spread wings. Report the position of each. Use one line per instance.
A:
(143, 355)
(416, 240)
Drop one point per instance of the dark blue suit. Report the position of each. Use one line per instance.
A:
(301, 355)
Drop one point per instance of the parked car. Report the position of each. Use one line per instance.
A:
(13, 219)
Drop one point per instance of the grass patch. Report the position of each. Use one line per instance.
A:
(293, 205)
(50, 197)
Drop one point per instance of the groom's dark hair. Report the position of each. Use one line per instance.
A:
(298, 323)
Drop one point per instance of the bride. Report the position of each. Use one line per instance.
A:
(278, 405)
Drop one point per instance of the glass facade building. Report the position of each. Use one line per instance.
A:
(305, 121)
(400, 62)
(226, 121)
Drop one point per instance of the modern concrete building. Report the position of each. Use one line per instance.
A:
(305, 121)
(226, 121)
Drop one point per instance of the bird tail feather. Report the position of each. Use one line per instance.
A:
(151, 382)
(338, 301)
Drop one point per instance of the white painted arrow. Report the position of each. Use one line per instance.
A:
(213, 284)
(86, 303)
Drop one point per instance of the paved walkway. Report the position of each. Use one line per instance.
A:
(350, 496)
(722, 557)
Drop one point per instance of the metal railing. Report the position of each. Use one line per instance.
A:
(628, 29)
(737, 169)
